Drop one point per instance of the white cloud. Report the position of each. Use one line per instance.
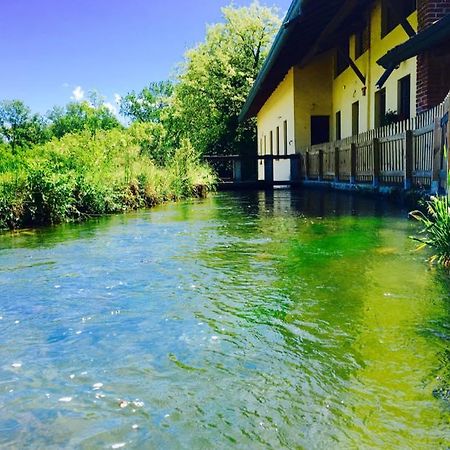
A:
(111, 107)
(117, 98)
(77, 94)
(65, 85)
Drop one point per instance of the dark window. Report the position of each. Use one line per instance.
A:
(278, 140)
(404, 98)
(391, 18)
(355, 118)
(338, 126)
(362, 41)
(342, 57)
(285, 136)
(320, 129)
(380, 108)
(271, 142)
(260, 146)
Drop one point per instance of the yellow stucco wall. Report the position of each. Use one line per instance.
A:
(278, 109)
(313, 90)
(312, 96)
(347, 88)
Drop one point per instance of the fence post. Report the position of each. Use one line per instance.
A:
(447, 144)
(352, 163)
(268, 169)
(306, 156)
(295, 167)
(237, 170)
(437, 154)
(320, 174)
(336, 164)
(376, 163)
(408, 160)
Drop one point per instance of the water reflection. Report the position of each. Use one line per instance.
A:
(250, 320)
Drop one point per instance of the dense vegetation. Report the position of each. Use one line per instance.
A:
(81, 160)
(436, 229)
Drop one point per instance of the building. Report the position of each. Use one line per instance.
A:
(338, 68)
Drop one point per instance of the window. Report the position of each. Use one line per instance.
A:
(380, 108)
(285, 136)
(342, 57)
(404, 98)
(278, 140)
(362, 41)
(271, 142)
(338, 126)
(355, 118)
(391, 18)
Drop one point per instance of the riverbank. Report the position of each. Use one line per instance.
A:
(85, 175)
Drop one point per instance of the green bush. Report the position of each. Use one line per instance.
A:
(436, 229)
(81, 175)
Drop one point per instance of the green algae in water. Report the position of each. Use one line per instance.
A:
(256, 320)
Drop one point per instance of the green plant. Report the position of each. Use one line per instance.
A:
(436, 229)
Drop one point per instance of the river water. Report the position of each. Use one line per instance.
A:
(246, 320)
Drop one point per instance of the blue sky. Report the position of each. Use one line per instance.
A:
(49, 48)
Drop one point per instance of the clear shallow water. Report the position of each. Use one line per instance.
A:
(282, 320)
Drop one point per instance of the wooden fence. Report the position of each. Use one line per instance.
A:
(408, 154)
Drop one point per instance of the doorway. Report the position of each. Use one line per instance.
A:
(320, 129)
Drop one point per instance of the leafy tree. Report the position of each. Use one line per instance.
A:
(216, 78)
(19, 127)
(79, 116)
(148, 104)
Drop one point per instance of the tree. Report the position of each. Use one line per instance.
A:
(148, 104)
(19, 127)
(79, 116)
(216, 78)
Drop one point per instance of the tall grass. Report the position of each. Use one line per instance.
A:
(436, 229)
(82, 175)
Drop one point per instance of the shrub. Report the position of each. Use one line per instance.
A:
(436, 228)
(81, 175)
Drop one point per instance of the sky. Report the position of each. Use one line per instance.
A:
(55, 51)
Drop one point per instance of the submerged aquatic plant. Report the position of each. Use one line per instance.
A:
(436, 229)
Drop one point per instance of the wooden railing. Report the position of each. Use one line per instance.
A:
(408, 153)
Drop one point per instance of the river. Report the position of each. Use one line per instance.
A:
(246, 320)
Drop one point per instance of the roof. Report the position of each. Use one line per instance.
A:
(304, 23)
(433, 35)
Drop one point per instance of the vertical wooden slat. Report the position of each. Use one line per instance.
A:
(375, 163)
(320, 165)
(352, 163)
(408, 160)
(437, 156)
(336, 164)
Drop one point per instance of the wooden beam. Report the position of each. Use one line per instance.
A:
(332, 26)
(353, 66)
(393, 6)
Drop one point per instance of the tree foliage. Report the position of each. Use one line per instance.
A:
(19, 127)
(216, 78)
(148, 104)
(84, 116)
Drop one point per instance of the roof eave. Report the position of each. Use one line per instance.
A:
(286, 29)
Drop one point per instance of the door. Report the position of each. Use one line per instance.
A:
(320, 129)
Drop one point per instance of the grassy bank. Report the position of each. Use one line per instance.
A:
(83, 175)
